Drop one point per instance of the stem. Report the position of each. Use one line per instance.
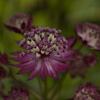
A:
(63, 77)
(40, 84)
(58, 86)
(45, 89)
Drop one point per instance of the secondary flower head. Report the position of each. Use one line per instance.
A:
(79, 67)
(90, 59)
(88, 92)
(2, 73)
(89, 34)
(17, 94)
(3, 59)
(19, 23)
(45, 53)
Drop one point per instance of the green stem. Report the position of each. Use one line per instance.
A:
(45, 89)
(58, 86)
(40, 84)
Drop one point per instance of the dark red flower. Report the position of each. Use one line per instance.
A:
(3, 59)
(80, 66)
(19, 23)
(45, 53)
(89, 34)
(90, 59)
(17, 94)
(88, 92)
(2, 73)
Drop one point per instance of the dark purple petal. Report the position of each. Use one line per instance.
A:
(44, 71)
(23, 64)
(69, 52)
(30, 22)
(51, 71)
(36, 71)
(28, 68)
(22, 59)
(71, 41)
(66, 58)
(56, 67)
(62, 65)
(23, 26)
(13, 29)
(78, 29)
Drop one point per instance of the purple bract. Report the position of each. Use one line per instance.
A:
(71, 41)
(89, 34)
(45, 53)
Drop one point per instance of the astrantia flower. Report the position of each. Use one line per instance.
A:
(3, 59)
(90, 59)
(17, 94)
(88, 92)
(2, 73)
(46, 53)
(79, 67)
(19, 23)
(89, 34)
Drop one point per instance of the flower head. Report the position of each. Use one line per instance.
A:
(45, 53)
(3, 59)
(90, 59)
(17, 94)
(19, 23)
(88, 92)
(89, 34)
(80, 66)
(2, 73)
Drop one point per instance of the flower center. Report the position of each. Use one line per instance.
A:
(43, 42)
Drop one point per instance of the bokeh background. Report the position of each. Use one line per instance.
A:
(59, 14)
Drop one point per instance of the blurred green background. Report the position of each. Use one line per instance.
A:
(59, 14)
